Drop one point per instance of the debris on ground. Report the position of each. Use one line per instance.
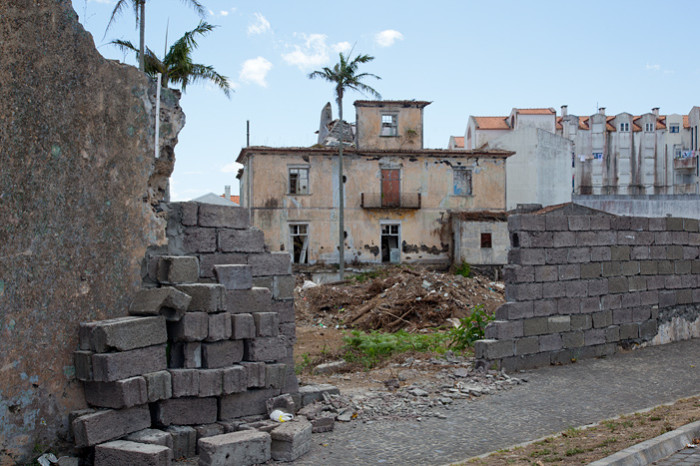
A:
(400, 297)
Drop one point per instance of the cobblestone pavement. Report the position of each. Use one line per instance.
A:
(554, 399)
(685, 457)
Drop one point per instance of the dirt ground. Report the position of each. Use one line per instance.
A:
(419, 300)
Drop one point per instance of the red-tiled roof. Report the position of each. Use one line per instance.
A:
(498, 122)
(535, 111)
(686, 123)
(459, 141)
(236, 199)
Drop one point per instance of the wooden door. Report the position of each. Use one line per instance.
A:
(391, 185)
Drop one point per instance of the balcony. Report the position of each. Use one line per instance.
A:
(685, 163)
(390, 201)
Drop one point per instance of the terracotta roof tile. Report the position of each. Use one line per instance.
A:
(686, 122)
(498, 122)
(535, 111)
(459, 141)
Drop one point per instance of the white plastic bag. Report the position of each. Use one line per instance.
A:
(281, 416)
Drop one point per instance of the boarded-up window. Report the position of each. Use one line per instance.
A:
(391, 186)
(390, 125)
(486, 240)
(298, 181)
(462, 182)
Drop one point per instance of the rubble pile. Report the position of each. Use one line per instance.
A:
(401, 298)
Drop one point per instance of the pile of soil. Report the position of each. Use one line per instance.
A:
(399, 297)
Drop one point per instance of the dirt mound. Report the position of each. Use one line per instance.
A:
(396, 298)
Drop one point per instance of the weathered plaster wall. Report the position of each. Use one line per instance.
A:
(410, 127)
(467, 241)
(672, 205)
(424, 233)
(78, 185)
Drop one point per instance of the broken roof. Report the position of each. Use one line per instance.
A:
(392, 103)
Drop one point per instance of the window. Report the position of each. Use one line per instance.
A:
(624, 127)
(675, 128)
(462, 185)
(298, 181)
(299, 237)
(390, 125)
(649, 127)
(486, 241)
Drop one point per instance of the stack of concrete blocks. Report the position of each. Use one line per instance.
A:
(206, 351)
(581, 282)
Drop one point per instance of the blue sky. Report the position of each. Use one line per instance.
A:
(467, 57)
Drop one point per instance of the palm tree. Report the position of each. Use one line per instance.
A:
(140, 14)
(177, 67)
(344, 76)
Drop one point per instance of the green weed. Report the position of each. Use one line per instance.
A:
(464, 270)
(471, 328)
(371, 348)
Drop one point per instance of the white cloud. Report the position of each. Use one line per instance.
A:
(222, 13)
(653, 67)
(255, 71)
(230, 168)
(260, 26)
(313, 52)
(658, 68)
(387, 38)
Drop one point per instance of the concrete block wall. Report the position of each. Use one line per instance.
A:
(207, 343)
(580, 283)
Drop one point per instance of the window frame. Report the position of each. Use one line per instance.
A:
(392, 126)
(470, 182)
(649, 127)
(674, 126)
(297, 191)
(486, 240)
(624, 127)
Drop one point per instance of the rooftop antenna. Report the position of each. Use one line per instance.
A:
(247, 133)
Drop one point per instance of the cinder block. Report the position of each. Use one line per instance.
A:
(602, 319)
(185, 355)
(184, 441)
(581, 322)
(166, 301)
(674, 224)
(535, 326)
(255, 374)
(194, 326)
(106, 425)
(234, 379)
(185, 382)
(601, 254)
(243, 326)
(648, 329)
(251, 240)
(494, 349)
(266, 349)
(244, 447)
(209, 430)
(118, 394)
(254, 300)
(564, 239)
(291, 440)
(206, 297)
(177, 269)
(527, 345)
(186, 411)
(248, 403)
(546, 273)
(108, 367)
(612, 334)
(594, 336)
(629, 331)
(266, 324)
(597, 287)
(572, 339)
(208, 261)
(83, 365)
(275, 375)
(579, 222)
(289, 330)
(553, 290)
(222, 353)
(219, 326)
(211, 215)
(275, 263)
(158, 386)
(210, 382)
(126, 452)
(504, 329)
(515, 310)
(122, 334)
(152, 437)
(284, 402)
(284, 287)
(198, 240)
(550, 342)
(234, 276)
(579, 255)
(576, 289)
(592, 270)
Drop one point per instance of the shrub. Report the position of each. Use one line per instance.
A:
(470, 329)
(464, 270)
(371, 348)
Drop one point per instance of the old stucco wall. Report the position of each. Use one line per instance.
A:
(78, 186)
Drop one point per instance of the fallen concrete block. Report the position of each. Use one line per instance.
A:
(105, 425)
(194, 326)
(206, 297)
(186, 355)
(177, 269)
(267, 349)
(275, 263)
(235, 379)
(166, 301)
(185, 382)
(210, 382)
(242, 326)
(125, 452)
(266, 324)
(256, 375)
(152, 437)
(209, 430)
(211, 215)
(244, 448)
(256, 299)
(186, 411)
(119, 394)
(184, 441)
(222, 353)
(266, 425)
(210, 260)
(108, 367)
(122, 334)
(323, 423)
(284, 403)
(312, 393)
(291, 440)
(220, 327)
(248, 403)
(234, 276)
(158, 385)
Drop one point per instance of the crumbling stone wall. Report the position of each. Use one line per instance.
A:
(78, 182)
(580, 283)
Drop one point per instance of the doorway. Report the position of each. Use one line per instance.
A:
(390, 243)
(391, 186)
(299, 237)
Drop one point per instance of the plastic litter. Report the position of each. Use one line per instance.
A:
(281, 416)
(47, 459)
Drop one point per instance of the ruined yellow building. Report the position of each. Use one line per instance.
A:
(398, 196)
